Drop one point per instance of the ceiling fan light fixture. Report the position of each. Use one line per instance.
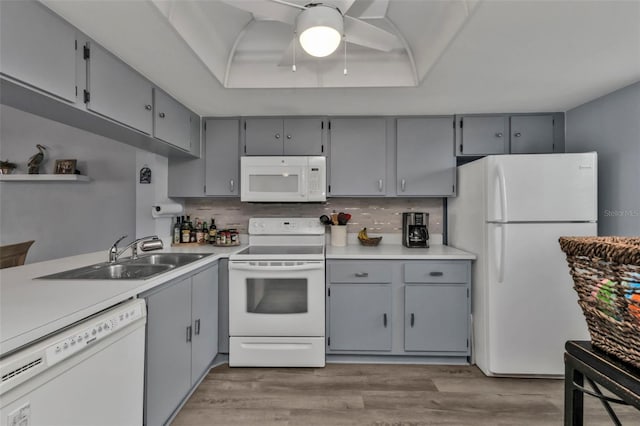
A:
(320, 28)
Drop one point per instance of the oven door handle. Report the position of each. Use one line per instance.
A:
(305, 267)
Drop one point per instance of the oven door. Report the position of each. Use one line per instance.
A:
(276, 298)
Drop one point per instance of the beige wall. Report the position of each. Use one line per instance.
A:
(379, 215)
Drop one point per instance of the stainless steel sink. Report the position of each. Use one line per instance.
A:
(107, 271)
(175, 259)
(129, 269)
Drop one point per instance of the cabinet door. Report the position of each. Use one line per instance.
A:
(117, 91)
(263, 136)
(38, 48)
(532, 134)
(222, 159)
(172, 121)
(483, 135)
(204, 315)
(358, 157)
(436, 318)
(303, 136)
(168, 369)
(360, 317)
(426, 164)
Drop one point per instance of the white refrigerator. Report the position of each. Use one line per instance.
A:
(510, 211)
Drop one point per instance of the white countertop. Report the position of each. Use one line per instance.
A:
(391, 248)
(31, 309)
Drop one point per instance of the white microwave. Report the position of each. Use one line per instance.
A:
(283, 179)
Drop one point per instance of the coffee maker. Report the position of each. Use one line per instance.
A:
(415, 231)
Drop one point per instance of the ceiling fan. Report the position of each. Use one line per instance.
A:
(320, 26)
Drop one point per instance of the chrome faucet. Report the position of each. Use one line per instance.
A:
(114, 254)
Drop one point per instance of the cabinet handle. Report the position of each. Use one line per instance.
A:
(288, 136)
(413, 319)
(384, 319)
(277, 135)
(147, 107)
(161, 115)
(231, 185)
(517, 134)
(380, 182)
(403, 183)
(499, 135)
(188, 334)
(197, 327)
(362, 274)
(436, 274)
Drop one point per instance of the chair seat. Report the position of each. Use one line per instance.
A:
(14, 254)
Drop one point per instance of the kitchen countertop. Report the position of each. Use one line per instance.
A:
(391, 248)
(31, 309)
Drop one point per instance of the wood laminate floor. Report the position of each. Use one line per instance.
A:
(373, 394)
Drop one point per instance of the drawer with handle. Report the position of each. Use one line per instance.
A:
(359, 272)
(435, 272)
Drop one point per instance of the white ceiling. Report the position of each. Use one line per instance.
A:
(514, 55)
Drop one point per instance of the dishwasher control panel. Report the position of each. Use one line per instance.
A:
(92, 331)
(31, 360)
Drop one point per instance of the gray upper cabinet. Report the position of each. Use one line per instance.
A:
(172, 121)
(482, 135)
(425, 161)
(360, 317)
(358, 157)
(117, 91)
(222, 157)
(38, 48)
(532, 134)
(277, 136)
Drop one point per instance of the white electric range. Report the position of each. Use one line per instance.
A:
(276, 295)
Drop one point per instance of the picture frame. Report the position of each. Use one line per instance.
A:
(65, 167)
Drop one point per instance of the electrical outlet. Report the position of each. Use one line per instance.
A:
(21, 416)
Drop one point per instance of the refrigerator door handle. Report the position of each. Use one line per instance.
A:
(503, 251)
(502, 185)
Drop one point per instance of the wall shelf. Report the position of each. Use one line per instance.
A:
(44, 178)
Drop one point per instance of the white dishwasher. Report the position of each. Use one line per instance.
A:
(91, 373)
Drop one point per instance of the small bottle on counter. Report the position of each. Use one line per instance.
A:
(213, 231)
(233, 236)
(176, 231)
(223, 237)
(185, 231)
(199, 233)
(205, 232)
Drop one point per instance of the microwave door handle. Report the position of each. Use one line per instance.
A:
(245, 267)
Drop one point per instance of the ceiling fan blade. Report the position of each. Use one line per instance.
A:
(267, 10)
(363, 34)
(342, 5)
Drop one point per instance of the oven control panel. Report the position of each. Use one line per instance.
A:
(284, 226)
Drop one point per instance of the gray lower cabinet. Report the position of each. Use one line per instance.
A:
(425, 161)
(358, 157)
(118, 92)
(397, 307)
(360, 317)
(532, 134)
(482, 135)
(172, 121)
(222, 157)
(38, 48)
(289, 136)
(182, 340)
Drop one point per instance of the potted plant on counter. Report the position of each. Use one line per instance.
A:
(6, 167)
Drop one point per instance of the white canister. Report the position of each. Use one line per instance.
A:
(339, 235)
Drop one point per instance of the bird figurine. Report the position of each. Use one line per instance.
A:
(36, 160)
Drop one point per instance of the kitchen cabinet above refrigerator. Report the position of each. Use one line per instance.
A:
(490, 134)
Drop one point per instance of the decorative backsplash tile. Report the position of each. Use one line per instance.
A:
(379, 215)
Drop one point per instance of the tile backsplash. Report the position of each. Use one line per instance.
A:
(379, 215)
